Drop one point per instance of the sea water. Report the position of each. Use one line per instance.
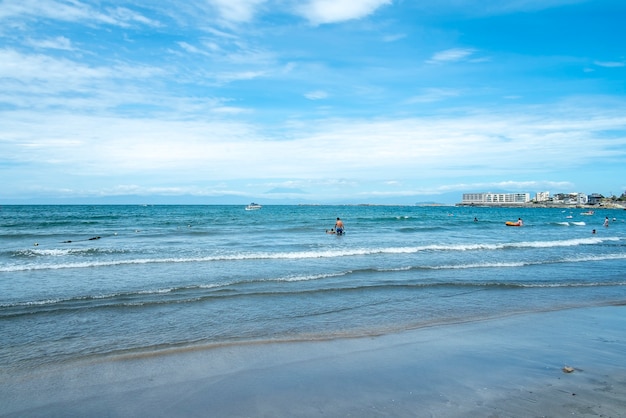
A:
(81, 282)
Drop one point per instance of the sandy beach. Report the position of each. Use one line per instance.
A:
(505, 367)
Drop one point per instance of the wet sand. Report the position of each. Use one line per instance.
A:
(506, 367)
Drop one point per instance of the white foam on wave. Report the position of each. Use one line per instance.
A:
(62, 252)
(404, 268)
(580, 259)
(32, 303)
(51, 252)
(311, 254)
(480, 265)
(555, 285)
(310, 277)
(562, 243)
(105, 296)
(300, 278)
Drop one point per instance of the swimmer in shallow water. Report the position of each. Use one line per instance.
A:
(339, 226)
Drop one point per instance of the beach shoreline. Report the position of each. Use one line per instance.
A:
(510, 366)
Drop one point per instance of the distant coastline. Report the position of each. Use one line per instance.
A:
(603, 205)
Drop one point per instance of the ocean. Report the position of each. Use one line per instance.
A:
(86, 282)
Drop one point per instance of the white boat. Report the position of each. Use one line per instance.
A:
(253, 206)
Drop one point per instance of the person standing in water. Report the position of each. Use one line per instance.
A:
(606, 221)
(339, 226)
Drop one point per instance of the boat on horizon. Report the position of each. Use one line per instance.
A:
(253, 206)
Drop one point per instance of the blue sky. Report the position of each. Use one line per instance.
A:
(310, 101)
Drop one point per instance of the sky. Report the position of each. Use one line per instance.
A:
(310, 101)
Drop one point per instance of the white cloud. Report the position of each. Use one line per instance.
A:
(59, 42)
(71, 11)
(41, 80)
(334, 11)
(507, 185)
(434, 95)
(123, 17)
(488, 7)
(610, 64)
(44, 82)
(451, 55)
(229, 77)
(26, 67)
(394, 37)
(490, 142)
(236, 10)
(190, 48)
(97, 152)
(316, 95)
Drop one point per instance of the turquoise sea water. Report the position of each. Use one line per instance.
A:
(86, 281)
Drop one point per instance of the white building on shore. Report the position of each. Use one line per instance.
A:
(571, 198)
(495, 198)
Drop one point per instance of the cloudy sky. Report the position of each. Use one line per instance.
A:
(310, 101)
